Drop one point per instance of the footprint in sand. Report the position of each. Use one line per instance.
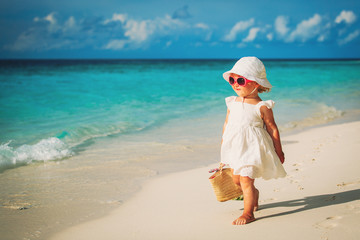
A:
(297, 167)
(328, 223)
(294, 181)
(267, 200)
(318, 147)
(344, 184)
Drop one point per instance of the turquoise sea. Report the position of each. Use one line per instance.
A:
(51, 109)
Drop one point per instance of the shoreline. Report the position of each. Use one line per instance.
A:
(318, 198)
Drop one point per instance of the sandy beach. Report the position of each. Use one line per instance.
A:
(319, 199)
(112, 115)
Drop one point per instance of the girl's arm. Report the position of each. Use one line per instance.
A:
(225, 123)
(268, 117)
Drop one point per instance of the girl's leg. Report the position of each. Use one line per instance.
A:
(236, 178)
(256, 203)
(251, 195)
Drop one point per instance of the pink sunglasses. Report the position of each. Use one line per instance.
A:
(241, 81)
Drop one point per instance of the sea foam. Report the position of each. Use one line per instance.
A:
(45, 150)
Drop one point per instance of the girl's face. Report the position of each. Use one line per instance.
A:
(243, 91)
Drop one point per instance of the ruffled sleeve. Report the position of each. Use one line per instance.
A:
(229, 100)
(269, 104)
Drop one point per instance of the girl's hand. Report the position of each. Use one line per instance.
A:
(282, 157)
(222, 165)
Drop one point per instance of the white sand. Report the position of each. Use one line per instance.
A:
(319, 199)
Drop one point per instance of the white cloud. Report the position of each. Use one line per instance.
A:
(321, 38)
(166, 25)
(51, 18)
(138, 31)
(117, 17)
(252, 35)
(350, 37)
(203, 30)
(116, 44)
(202, 26)
(346, 16)
(255, 33)
(69, 24)
(238, 27)
(281, 25)
(50, 21)
(306, 29)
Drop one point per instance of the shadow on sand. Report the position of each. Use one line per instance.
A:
(312, 202)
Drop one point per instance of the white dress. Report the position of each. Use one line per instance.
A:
(247, 147)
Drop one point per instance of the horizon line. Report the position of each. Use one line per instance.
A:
(166, 59)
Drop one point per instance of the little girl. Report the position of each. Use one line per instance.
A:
(251, 142)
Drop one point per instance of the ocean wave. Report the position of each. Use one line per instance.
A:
(45, 150)
(324, 114)
(63, 144)
(76, 136)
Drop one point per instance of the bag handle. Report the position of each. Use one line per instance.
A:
(217, 169)
(221, 167)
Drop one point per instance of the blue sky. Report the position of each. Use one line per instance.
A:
(179, 29)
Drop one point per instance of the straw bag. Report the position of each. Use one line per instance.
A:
(224, 187)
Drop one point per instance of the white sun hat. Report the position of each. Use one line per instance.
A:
(251, 68)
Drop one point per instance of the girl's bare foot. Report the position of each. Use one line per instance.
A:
(256, 204)
(244, 219)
